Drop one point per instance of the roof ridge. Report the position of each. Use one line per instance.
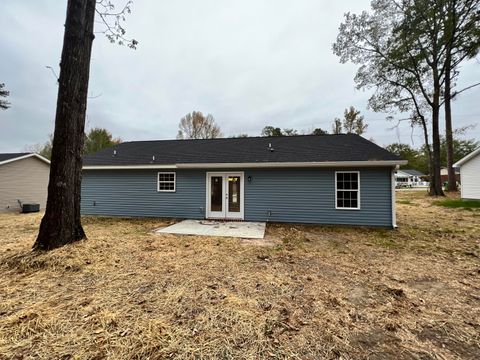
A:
(246, 137)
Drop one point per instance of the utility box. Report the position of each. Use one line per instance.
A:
(29, 208)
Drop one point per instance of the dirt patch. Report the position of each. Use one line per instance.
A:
(305, 292)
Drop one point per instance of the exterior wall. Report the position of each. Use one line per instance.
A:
(469, 174)
(280, 195)
(308, 196)
(25, 180)
(134, 193)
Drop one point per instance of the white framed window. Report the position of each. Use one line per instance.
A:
(166, 182)
(347, 190)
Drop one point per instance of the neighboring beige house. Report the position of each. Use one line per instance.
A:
(470, 175)
(23, 179)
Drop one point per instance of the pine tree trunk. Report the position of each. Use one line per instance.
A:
(428, 147)
(436, 183)
(61, 223)
(452, 179)
(451, 20)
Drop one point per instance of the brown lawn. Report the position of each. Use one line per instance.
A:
(311, 292)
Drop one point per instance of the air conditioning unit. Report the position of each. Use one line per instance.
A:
(29, 208)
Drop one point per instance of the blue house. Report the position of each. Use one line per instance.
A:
(325, 179)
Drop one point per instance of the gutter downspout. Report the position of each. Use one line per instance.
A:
(394, 214)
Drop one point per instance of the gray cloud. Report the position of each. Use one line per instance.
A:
(249, 63)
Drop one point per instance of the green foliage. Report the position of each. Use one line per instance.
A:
(319, 131)
(271, 131)
(406, 50)
(337, 126)
(98, 139)
(458, 203)
(418, 158)
(352, 123)
(4, 104)
(276, 131)
(461, 148)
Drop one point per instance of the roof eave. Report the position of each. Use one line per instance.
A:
(467, 158)
(324, 164)
(40, 157)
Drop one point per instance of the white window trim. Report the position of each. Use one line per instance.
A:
(358, 191)
(225, 175)
(174, 181)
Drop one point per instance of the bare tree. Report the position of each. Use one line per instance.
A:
(61, 223)
(4, 104)
(195, 125)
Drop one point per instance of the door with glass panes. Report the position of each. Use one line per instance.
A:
(225, 195)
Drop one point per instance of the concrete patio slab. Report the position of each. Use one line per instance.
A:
(248, 230)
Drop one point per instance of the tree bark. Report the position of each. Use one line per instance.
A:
(427, 146)
(452, 179)
(61, 223)
(450, 28)
(436, 183)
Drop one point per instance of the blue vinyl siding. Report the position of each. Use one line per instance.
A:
(280, 195)
(134, 193)
(308, 196)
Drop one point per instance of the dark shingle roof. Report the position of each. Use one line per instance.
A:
(412, 172)
(8, 156)
(308, 148)
(243, 150)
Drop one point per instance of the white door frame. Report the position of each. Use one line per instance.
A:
(225, 214)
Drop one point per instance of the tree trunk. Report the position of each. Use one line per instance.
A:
(427, 146)
(436, 183)
(61, 223)
(451, 25)
(452, 179)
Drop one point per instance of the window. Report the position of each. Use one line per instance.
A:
(347, 190)
(166, 181)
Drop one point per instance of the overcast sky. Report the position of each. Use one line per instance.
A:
(249, 63)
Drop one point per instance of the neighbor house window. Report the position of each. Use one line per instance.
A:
(347, 190)
(166, 181)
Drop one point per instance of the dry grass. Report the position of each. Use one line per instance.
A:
(318, 292)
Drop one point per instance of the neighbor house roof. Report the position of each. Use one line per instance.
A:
(412, 172)
(308, 150)
(6, 158)
(467, 158)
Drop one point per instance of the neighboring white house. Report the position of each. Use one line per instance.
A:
(409, 178)
(23, 179)
(470, 175)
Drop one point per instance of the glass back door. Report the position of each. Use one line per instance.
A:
(225, 196)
